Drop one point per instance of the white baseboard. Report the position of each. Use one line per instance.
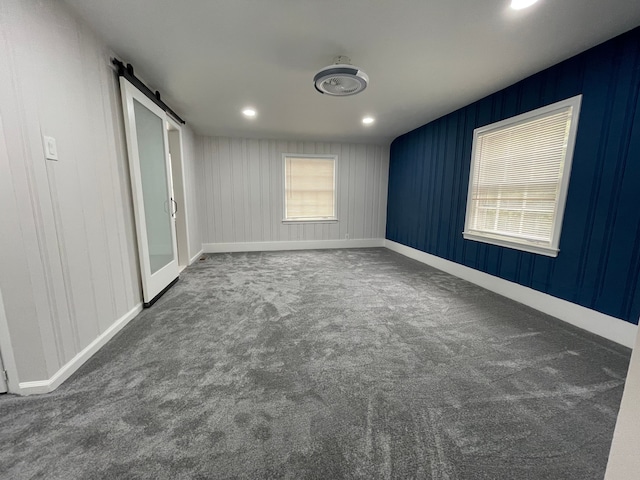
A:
(603, 325)
(46, 386)
(291, 245)
(195, 257)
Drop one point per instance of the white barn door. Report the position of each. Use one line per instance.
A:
(154, 207)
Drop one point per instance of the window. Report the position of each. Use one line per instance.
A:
(309, 188)
(519, 178)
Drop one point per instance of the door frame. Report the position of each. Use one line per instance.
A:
(6, 349)
(153, 285)
(6, 353)
(176, 150)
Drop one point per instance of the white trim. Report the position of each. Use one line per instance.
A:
(503, 242)
(6, 352)
(195, 257)
(46, 386)
(524, 244)
(4, 386)
(624, 461)
(603, 325)
(7, 359)
(310, 220)
(291, 245)
(183, 209)
(327, 156)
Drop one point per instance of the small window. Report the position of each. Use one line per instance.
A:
(519, 178)
(309, 188)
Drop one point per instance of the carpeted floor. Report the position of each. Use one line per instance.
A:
(326, 365)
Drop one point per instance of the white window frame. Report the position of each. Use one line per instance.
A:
(526, 245)
(334, 218)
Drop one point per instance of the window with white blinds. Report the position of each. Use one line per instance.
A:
(519, 178)
(310, 188)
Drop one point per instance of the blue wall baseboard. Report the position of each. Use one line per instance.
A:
(599, 261)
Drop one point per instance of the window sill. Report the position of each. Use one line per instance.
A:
(311, 220)
(514, 244)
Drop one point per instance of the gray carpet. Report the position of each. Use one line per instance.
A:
(326, 365)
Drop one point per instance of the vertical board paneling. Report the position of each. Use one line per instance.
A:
(359, 207)
(352, 189)
(599, 256)
(224, 180)
(343, 188)
(383, 192)
(205, 148)
(216, 186)
(74, 216)
(243, 190)
(254, 185)
(277, 199)
(120, 190)
(191, 181)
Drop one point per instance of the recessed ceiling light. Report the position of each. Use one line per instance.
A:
(368, 120)
(520, 4)
(249, 112)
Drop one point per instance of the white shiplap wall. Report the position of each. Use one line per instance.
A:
(190, 174)
(68, 261)
(241, 191)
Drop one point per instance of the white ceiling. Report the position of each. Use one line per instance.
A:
(425, 58)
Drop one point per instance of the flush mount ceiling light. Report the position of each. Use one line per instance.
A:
(341, 79)
(368, 120)
(520, 4)
(249, 112)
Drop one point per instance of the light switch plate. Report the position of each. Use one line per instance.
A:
(50, 148)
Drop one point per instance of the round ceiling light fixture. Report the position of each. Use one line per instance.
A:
(341, 79)
(368, 120)
(249, 112)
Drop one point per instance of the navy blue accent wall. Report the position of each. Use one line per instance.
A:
(599, 259)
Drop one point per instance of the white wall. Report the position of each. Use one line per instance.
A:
(241, 191)
(68, 261)
(190, 174)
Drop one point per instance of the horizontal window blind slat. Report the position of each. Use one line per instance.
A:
(309, 188)
(516, 177)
